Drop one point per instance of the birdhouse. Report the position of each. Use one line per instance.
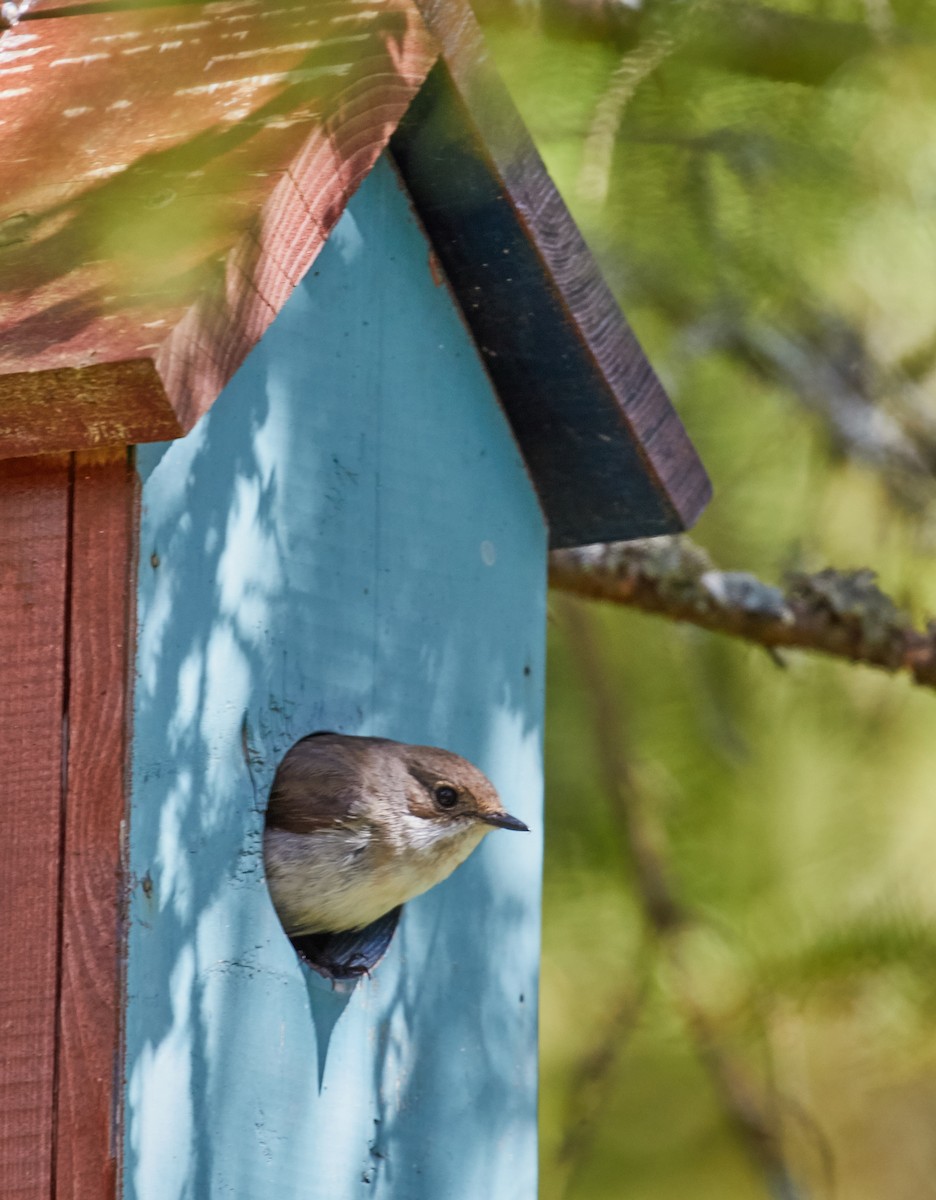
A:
(304, 368)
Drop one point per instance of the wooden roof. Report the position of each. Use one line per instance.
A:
(168, 173)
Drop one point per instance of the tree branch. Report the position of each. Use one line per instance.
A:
(873, 414)
(593, 1082)
(750, 1111)
(840, 613)
(747, 38)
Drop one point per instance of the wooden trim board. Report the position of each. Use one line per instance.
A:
(608, 454)
(103, 536)
(34, 516)
(66, 555)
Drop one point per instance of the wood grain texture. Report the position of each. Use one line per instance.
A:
(107, 404)
(102, 548)
(34, 503)
(167, 175)
(347, 541)
(609, 456)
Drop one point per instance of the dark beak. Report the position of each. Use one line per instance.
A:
(504, 821)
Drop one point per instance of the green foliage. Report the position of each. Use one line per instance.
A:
(772, 242)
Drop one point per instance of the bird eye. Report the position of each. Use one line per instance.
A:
(446, 796)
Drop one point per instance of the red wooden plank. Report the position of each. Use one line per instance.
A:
(102, 548)
(33, 569)
(166, 176)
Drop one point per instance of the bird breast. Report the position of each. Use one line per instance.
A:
(346, 877)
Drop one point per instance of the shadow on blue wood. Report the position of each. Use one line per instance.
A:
(326, 1005)
(348, 541)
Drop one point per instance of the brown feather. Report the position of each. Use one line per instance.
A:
(317, 783)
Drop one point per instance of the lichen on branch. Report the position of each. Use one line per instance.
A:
(840, 613)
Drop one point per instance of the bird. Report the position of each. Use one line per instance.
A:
(356, 826)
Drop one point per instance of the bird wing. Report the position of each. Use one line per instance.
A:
(314, 790)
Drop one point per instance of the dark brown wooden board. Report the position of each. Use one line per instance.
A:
(606, 450)
(167, 175)
(101, 626)
(34, 515)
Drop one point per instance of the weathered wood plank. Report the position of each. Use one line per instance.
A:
(106, 404)
(34, 503)
(166, 177)
(348, 540)
(202, 154)
(102, 547)
(607, 451)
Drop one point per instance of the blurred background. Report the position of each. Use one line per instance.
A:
(739, 977)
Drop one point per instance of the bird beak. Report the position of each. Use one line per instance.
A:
(504, 821)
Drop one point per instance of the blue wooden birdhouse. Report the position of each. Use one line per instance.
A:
(304, 366)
